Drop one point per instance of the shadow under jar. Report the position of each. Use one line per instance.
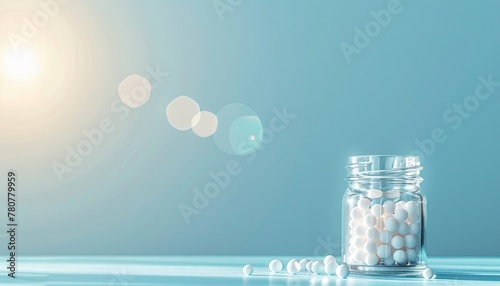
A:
(384, 216)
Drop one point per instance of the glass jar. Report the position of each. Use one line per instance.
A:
(384, 216)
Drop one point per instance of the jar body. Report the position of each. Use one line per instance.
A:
(384, 225)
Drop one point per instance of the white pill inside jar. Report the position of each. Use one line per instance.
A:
(414, 228)
(403, 228)
(391, 224)
(359, 255)
(371, 259)
(414, 217)
(377, 210)
(401, 215)
(357, 213)
(364, 203)
(411, 255)
(360, 230)
(384, 251)
(374, 194)
(411, 207)
(372, 233)
(370, 246)
(410, 241)
(389, 261)
(385, 236)
(400, 205)
(397, 242)
(370, 220)
(389, 207)
(400, 257)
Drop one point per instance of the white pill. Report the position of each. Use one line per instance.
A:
(247, 269)
(352, 249)
(403, 228)
(329, 258)
(393, 194)
(357, 242)
(353, 223)
(370, 247)
(360, 230)
(401, 215)
(399, 257)
(371, 259)
(374, 194)
(359, 255)
(411, 207)
(414, 217)
(414, 228)
(357, 213)
(400, 205)
(411, 255)
(318, 267)
(372, 233)
(275, 266)
(389, 207)
(370, 220)
(398, 242)
(377, 210)
(367, 212)
(410, 241)
(303, 263)
(385, 236)
(293, 266)
(384, 251)
(391, 223)
(428, 273)
(388, 261)
(331, 267)
(364, 203)
(343, 271)
(309, 264)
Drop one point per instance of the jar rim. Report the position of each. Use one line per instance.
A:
(394, 168)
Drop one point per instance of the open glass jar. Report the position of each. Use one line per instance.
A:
(384, 216)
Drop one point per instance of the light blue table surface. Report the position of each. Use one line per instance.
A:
(224, 270)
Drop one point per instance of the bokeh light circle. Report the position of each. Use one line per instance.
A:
(240, 130)
(181, 113)
(134, 90)
(204, 124)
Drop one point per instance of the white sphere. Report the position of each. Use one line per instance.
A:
(247, 269)
(343, 271)
(374, 194)
(371, 259)
(364, 203)
(384, 251)
(318, 267)
(414, 217)
(388, 261)
(393, 194)
(385, 236)
(360, 230)
(389, 207)
(309, 265)
(403, 228)
(329, 258)
(377, 210)
(370, 220)
(427, 273)
(410, 241)
(398, 242)
(331, 267)
(303, 263)
(401, 215)
(411, 255)
(400, 205)
(391, 223)
(414, 228)
(357, 213)
(372, 233)
(359, 255)
(275, 266)
(293, 266)
(357, 242)
(411, 207)
(370, 246)
(399, 257)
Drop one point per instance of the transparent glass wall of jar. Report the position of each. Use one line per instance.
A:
(384, 216)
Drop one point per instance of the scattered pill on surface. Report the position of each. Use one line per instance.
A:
(275, 266)
(309, 265)
(343, 271)
(384, 251)
(247, 269)
(385, 236)
(401, 215)
(377, 210)
(372, 233)
(303, 263)
(331, 267)
(293, 266)
(427, 273)
(389, 207)
(370, 220)
(391, 223)
(411, 207)
(398, 242)
(399, 256)
(364, 203)
(318, 267)
(329, 258)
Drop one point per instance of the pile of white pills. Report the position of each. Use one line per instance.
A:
(384, 233)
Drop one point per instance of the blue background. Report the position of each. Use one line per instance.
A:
(124, 198)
